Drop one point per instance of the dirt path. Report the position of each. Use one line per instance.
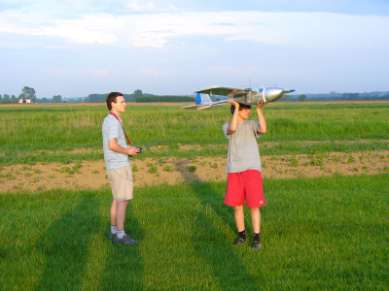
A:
(200, 147)
(91, 174)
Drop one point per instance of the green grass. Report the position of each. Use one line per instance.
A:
(14, 156)
(44, 133)
(319, 234)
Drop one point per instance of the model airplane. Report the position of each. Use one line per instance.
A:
(248, 96)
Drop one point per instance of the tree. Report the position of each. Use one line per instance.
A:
(57, 98)
(96, 98)
(138, 93)
(6, 98)
(1, 98)
(302, 97)
(28, 93)
(350, 95)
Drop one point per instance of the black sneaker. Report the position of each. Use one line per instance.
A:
(239, 240)
(126, 240)
(110, 235)
(256, 245)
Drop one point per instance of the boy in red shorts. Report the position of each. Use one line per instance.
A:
(244, 180)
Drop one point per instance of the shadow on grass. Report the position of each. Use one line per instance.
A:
(124, 265)
(65, 246)
(211, 243)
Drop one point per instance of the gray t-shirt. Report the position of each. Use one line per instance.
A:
(243, 153)
(112, 128)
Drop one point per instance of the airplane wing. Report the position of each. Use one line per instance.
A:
(206, 106)
(224, 91)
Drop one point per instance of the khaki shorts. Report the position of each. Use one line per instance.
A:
(121, 183)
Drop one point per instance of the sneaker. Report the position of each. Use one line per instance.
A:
(239, 240)
(110, 234)
(126, 240)
(256, 245)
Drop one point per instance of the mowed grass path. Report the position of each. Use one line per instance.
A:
(25, 130)
(319, 234)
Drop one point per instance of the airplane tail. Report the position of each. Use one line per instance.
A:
(202, 99)
(198, 99)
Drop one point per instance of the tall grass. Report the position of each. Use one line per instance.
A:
(29, 128)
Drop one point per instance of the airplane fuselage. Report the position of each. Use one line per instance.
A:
(265, 95)
(203, 98)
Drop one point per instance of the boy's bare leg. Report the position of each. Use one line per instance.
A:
(120, 235)
(239, 221)
(113, 213)
(239, 218)
(121, 207)
(256, 222)
(256, 219)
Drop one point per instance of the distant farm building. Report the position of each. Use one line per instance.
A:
(24, 101)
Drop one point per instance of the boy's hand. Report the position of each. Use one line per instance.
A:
(132, 151)
(260, 104)
(233, 102)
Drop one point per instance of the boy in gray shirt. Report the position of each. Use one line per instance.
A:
(116, 150)
(244, 171)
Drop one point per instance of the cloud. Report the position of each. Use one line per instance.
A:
(141, 6)
(71, 8)
(157, 30)
(89, 29)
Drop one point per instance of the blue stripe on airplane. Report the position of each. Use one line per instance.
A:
(198, 98)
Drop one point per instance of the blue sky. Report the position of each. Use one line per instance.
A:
(75, 48)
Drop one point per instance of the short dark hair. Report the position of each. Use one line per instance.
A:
(241, 107)
(112, 98)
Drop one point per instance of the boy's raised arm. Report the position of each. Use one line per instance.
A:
(261, 117)
(234, 120)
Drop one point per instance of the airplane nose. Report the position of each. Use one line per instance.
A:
(272, 94)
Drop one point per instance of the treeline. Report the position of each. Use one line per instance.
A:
(139, 96)
(164, 98)
(339, 96)
(6, 98)
(28, 95)
(96, 98)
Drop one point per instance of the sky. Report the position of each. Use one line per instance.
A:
(78, 47)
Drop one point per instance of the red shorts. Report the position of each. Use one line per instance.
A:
(245, 186)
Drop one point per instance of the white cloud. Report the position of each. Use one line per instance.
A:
(156, 30)
(141, 6)
(90, 29)
(69, 8)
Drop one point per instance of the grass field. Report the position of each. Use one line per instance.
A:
(49, 133)
(319, 234)
(322, 233)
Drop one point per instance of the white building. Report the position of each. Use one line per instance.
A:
(24, 101)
